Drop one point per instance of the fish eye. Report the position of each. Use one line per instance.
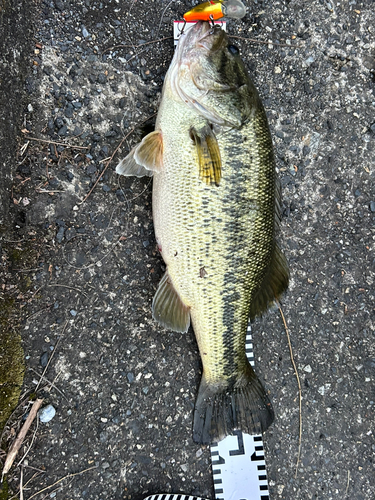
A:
(233, 50)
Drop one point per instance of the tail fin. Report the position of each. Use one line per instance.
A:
(220, 409)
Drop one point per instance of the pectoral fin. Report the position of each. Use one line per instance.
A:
(208, 153)
(149, 152)
(168, 309)
(145, 158)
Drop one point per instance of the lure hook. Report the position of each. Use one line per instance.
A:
(183, 27)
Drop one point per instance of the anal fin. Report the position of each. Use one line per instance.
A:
(168, 309)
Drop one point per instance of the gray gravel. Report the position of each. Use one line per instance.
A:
(128, 386)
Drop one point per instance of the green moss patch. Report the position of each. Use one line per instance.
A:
(12, 369)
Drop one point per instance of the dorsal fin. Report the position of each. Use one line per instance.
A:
(274, 284)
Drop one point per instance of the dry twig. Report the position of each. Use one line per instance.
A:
(162, 15)
(264, 42)
(30, 480)
(21, 436)
(59, 481)
(50, 359)
(111, 158)
(48, 308)
(24, 147)
(51, 384)
(31, 444)
(69, 287)
(347, 483)
(71, 146)
(299, 387)
(21, 484)
(135, 47)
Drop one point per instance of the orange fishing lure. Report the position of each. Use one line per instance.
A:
(216, 9)
(205, 11)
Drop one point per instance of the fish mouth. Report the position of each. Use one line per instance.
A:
(202, 27)
(208, 36)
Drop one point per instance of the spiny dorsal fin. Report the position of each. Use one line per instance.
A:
(208, 153)
(168, 309)
(274, 284)
(145, 158)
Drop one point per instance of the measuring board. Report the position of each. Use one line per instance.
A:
(238, 463)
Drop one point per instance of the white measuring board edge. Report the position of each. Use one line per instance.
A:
(179, 25)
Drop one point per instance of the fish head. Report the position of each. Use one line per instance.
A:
(208, 75)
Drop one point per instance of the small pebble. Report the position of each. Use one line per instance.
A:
(102, 78)
(60, 234)
(70, 233)
(46, 414)
(85, 33)
(305, 150)
(44, 359)
(372, 206)
(73, 312)
(63, 130)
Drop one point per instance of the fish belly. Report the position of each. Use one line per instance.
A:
(216, 240)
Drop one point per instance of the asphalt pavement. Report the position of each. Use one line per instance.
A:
(124, 388)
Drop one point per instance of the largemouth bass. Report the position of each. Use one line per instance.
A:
(216, 205)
